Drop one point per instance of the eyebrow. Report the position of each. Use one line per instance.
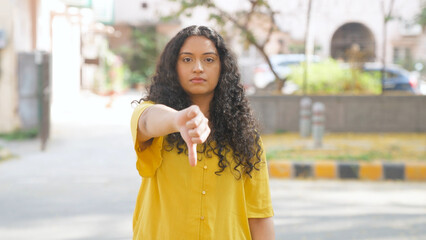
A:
(206, 53)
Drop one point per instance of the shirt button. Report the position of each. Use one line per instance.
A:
(205, 167)
(203, 192)
(202, 217)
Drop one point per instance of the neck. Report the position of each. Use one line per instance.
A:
(203, 102)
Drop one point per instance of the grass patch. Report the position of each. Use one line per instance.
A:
(347, 147)
(20, 134)
(299, 156)
(365, 157)
(282, 154)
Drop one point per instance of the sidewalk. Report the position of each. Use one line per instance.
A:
(84, 186)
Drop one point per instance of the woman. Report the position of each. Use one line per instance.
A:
(196, 110)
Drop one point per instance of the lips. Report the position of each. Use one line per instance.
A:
(197, 80)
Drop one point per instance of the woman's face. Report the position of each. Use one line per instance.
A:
(198, 67)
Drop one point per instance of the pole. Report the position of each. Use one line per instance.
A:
(307, 48)
(305, 117)
(318, 120)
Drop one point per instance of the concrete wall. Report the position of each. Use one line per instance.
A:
(345, 113)
(15, 20)
(8, 82)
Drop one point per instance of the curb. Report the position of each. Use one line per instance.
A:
(375, 171)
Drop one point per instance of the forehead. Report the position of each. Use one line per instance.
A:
(198, 44)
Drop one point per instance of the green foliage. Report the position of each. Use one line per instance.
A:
(421, 17)
(20, 134)
(407, 63)
(388, 18)
(300, 48)
(114, 71)
(329, 77)
(219, 20)
(194, 3)
(296, 48)
(141, 56)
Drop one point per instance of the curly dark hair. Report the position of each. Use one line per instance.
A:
(234, 128)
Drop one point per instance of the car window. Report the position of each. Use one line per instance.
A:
(378, 74)
(286, 63)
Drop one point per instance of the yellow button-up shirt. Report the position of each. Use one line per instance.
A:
(177, 201)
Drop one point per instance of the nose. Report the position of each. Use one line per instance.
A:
(198, 67)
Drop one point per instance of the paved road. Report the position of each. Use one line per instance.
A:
(334, 210)
(85, 185)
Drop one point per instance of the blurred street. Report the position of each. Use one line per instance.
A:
(85, 185)
(334, 210)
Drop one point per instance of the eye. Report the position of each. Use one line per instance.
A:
(186, 59)
(209, 60)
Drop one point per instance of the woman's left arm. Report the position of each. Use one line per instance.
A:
(262, 228)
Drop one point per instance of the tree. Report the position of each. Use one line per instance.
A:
(386, 18)
(421, 17)
(242, 21)
(307, 47)
(141, 55)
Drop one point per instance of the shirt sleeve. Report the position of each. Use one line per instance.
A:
(148, 158)
(257, 191)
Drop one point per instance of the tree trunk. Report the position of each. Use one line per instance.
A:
(386, 18)
(307, 52)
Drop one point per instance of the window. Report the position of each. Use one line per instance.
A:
(396, 56)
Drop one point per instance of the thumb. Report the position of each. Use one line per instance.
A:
(192, 154)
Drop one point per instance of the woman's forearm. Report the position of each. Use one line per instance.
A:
(157, 120)
(262, 228)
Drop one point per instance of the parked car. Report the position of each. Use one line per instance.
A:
(396, 78)
(263, 76)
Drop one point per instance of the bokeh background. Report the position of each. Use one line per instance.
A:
(69, 70)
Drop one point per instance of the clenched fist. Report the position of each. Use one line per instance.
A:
(194, 129)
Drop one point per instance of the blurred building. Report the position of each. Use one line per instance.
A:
(16, 35)
(336, 26)
(74, 34)
(71, 33)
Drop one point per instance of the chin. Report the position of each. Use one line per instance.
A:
(200, 93)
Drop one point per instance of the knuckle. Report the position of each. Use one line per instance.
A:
(190, 124)
(194, 133)
(196, 123)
